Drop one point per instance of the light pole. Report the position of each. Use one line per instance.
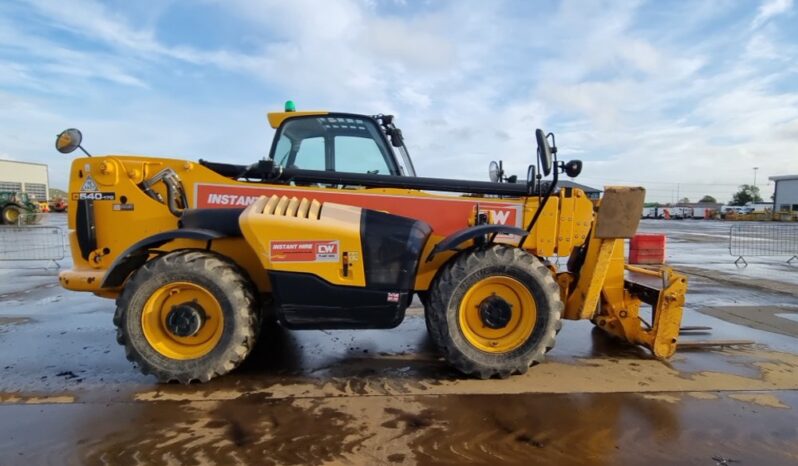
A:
(755, 169)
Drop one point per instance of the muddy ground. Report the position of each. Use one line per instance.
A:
(68, 395)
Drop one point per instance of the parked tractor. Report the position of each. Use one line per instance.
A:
(17, 208)
(58, 204)
(334, 230)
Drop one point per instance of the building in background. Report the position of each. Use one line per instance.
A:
(25, 177)
(786, 193)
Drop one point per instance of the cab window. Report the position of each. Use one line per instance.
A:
(343, 143)
(359, 155)
(310, 154)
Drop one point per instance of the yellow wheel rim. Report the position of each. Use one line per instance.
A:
(154, 321)
(518, 327)
(12, 215)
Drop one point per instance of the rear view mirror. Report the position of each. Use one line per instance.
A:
(573, 168)
(530, 177)
(68, 140)
(494, 172)
(396, 137)
(544, 152)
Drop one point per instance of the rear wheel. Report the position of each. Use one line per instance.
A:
(187, 316)
(495, 311)
(11, 214)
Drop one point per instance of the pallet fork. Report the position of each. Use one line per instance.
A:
(601, 287)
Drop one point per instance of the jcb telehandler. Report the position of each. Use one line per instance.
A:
(334, 230)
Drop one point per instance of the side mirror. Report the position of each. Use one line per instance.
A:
(397, 140)
(68, 140)
(573, 168)
(530, 179)
(495, 172)
(544, 152)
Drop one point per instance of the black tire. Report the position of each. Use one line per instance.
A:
(469, 268)
(424, 297)
(225, 281)
(7, 214)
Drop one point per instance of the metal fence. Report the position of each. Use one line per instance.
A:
(31, 243)
(758, 240)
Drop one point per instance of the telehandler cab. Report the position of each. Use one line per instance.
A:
(334, 230)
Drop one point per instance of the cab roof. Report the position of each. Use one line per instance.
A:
(277, 118)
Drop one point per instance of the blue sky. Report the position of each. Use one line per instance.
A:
(686, 96)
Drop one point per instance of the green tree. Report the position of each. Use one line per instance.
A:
(55, 193)
(684, 200)
(747, 193)
(709, 199)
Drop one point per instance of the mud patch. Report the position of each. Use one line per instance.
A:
(661, 397)
(408, 422)
(568, 429)
(6, 322)
(703, 395)
(254, 430)
(30, 399)
(762, 399)
(603, 429)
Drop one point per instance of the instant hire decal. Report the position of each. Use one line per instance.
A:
(304, 251)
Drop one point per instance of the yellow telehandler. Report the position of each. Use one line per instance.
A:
(334, 230)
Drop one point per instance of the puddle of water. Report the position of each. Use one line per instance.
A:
(751, 428)
(788, 315)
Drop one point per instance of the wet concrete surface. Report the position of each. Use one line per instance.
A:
(68, 395)
(570, 429)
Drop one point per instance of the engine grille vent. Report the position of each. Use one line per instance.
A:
(293, 207)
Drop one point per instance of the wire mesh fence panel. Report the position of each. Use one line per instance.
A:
(759, 240)
(27, 243)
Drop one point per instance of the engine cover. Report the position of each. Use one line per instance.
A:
(332, 265)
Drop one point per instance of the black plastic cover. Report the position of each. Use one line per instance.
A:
(305, 301)
(392, 246)
(224, 221)
(86, 229)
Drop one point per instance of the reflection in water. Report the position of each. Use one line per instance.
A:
(599, 429)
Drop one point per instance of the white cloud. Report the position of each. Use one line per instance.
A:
(658, 101)
(761, 47)
(769, 9)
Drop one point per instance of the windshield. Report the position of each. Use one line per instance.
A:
(342, 143)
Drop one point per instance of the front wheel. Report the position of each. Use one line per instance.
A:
(495, 311)
(11, 214)
(187, 316)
